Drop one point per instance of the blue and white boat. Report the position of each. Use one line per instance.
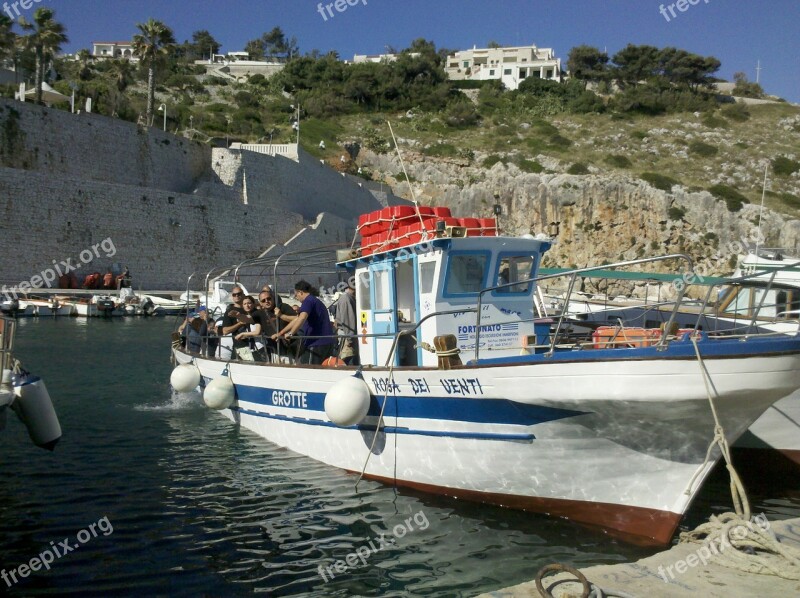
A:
(465, 390)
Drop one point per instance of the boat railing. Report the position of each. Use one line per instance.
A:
(706, 311)
(8, 328)
(572, 276)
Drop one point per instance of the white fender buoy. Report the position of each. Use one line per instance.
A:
(219, 393)
(185, 377)
(34, 407)
(347, 402)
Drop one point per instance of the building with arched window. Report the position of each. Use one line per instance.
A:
(114, 50)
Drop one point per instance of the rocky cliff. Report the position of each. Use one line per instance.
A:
(596, 219)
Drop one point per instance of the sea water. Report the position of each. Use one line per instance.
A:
(149, 493)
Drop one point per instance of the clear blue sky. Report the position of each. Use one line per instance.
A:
(737, 32)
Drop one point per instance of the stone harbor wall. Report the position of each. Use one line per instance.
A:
(161, 236)
(167, 205)
(94, 147)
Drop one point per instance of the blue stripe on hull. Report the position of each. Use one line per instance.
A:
(392, 429)
(455, 409)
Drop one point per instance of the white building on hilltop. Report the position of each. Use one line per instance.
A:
(509, 65)
(114, 50)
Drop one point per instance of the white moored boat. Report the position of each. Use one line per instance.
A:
(612, 435)
(779, 428)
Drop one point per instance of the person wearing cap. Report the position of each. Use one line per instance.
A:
(194, 330)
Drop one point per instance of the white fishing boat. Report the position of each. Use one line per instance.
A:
(25, 394)
(465, 391)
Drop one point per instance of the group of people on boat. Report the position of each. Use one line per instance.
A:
(267, 329)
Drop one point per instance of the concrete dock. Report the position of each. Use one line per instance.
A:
(675, 573)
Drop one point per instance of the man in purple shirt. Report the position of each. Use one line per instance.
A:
(315, 316)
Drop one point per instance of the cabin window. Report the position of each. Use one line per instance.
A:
(768, 307)
(466, 273)
(515, 268)
(426, 272)
(741, 302)
(364, 298)
(383, 291)
(793, 305)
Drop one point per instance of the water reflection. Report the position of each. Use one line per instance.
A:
(200, 507)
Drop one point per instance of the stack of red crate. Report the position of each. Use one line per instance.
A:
(401, 226)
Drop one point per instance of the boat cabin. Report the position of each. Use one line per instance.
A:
(438, 273)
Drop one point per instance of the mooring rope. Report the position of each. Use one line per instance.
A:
(738, 494)
(732, 539)
(740, 544)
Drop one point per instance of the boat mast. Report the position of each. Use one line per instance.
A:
(761, 210)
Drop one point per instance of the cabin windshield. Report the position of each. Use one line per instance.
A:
(778, 303)
(515, 268)
(466, 273)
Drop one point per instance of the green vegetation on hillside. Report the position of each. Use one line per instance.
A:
(643, 110)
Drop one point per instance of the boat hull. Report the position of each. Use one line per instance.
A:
(778, 432)
(615, 444)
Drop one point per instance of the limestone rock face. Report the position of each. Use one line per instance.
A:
(596, 219)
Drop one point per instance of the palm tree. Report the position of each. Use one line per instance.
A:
(8, 38)
(45, 39)
(120, 71)
(153, 44)
(84, 57)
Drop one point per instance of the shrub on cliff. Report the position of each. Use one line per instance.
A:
(736, 112)
(783, 166)
(618, 161)
(733, 199)
(660, 181)
(698, 148)
(461, 114)
(578, 168)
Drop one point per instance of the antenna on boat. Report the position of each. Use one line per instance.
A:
(405, 173)
(761, 210)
